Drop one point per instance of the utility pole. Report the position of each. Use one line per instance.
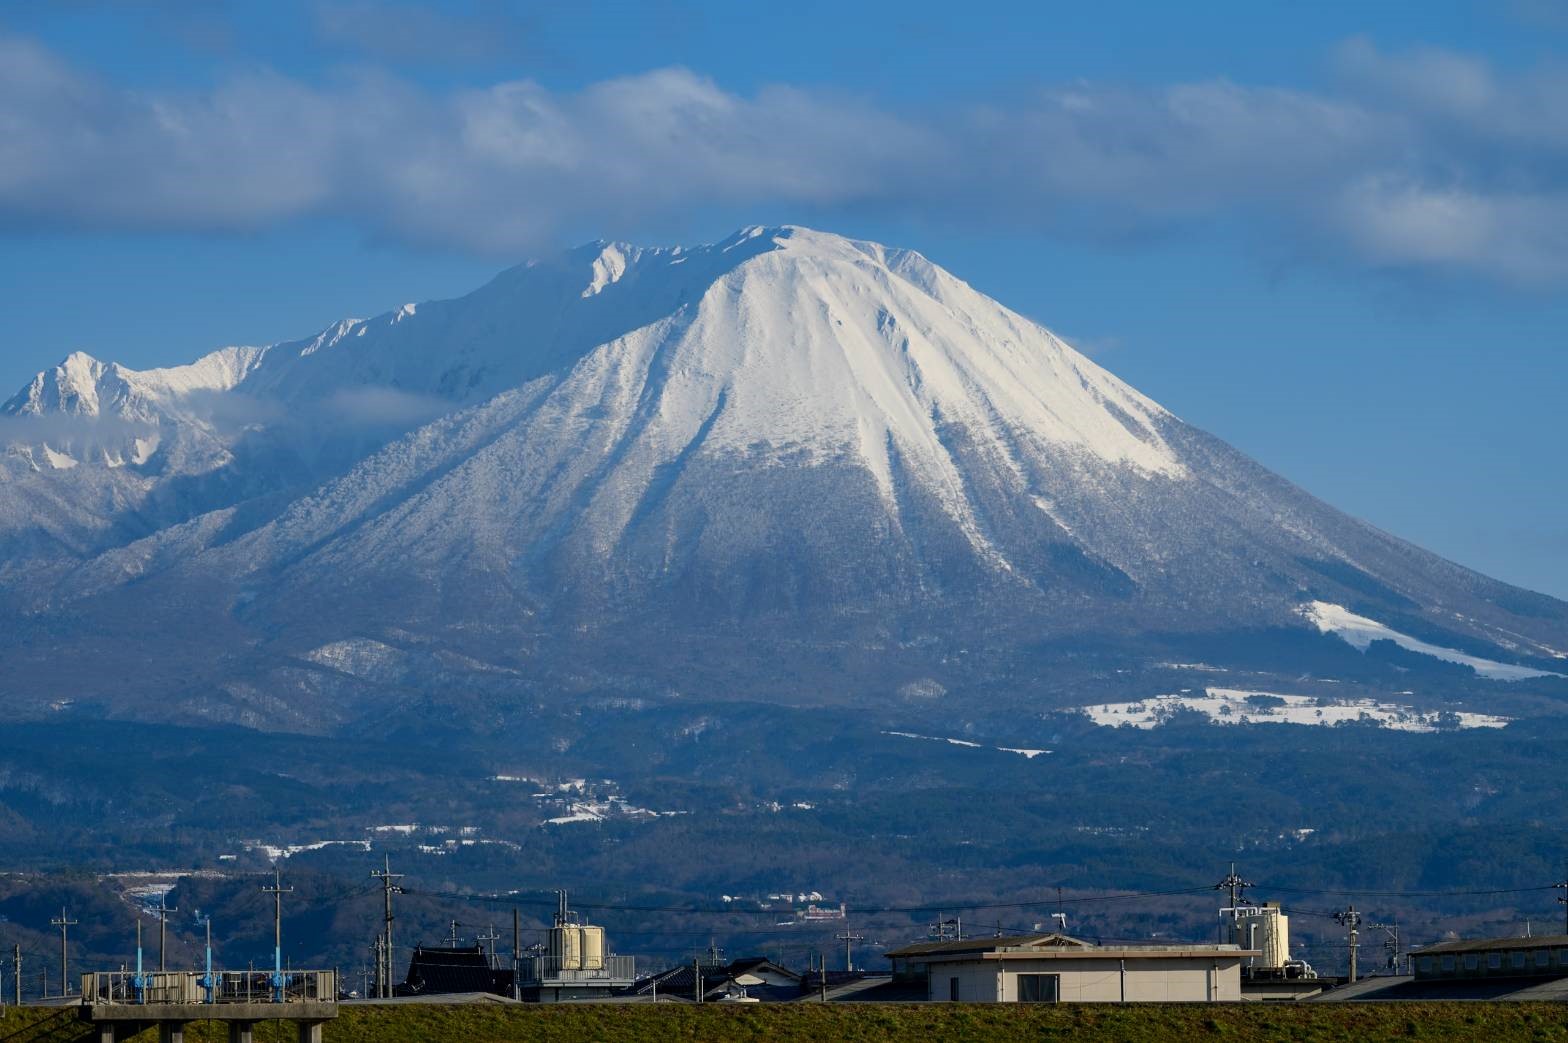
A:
(849, 938)
(1351, 921)
(517, 958)
(1563, 898)
(455, 926)
(277, 891)
(388, 889)
(207, 981)
(16, 972)
(491, 937)
(64, 923)
(164, 910)
(1234, 885)
(1391, 944)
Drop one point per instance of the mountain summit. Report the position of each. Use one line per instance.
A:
(787, 465)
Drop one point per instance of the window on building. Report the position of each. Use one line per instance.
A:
(1472, 961)
(1426, 965)
(1543, 958)
(1448, 963)
(952, 990)
(1562, 957)
(1517, 959)
(1039, 988)
(1494, 961)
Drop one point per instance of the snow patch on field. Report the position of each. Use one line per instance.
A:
(1360, 632)
(1235, 706)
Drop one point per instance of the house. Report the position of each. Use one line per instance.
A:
(1056, 968)
(440, 971)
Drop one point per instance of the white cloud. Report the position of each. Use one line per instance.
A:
(1425, 159)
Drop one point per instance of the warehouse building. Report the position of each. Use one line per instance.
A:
(1056, 968)
(1540, 957)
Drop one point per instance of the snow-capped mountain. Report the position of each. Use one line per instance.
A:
(788, 464)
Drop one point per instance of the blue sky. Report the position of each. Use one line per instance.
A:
(1336, 235)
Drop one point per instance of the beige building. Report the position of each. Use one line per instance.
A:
(1054, 968)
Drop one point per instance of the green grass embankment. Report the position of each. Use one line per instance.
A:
(949, 1023)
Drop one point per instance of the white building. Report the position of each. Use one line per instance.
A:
(1054, 968)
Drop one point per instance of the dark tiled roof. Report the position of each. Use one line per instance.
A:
(440, 970)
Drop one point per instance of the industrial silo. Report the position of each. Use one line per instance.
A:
(592, 949)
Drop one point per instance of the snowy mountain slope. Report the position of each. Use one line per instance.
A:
(790, 448)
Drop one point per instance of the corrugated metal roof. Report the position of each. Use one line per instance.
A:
(1543, 941)
(1018, 941)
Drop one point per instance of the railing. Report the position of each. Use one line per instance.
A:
(126, 987)
(553, 968)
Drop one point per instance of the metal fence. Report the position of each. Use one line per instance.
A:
(553, 968)
(122, 987)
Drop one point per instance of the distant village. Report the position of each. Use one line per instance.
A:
(576, 962)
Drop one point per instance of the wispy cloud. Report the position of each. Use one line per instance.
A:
(1427, 159)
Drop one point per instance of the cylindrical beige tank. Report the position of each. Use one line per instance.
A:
(593, 948)
(1267, 930)
(566, 948)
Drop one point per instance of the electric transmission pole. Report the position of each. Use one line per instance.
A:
(491, 937)
(64, 923)
(849, 938)
(388, 889)
(1233, 884)
(16, 972)
(1563, 898)
(517, 956)
(164, 909)
(1351, 921)
(277, 891)
(1391, 944)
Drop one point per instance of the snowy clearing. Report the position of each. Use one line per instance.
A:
(1234, 706)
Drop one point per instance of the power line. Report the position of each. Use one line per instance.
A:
(1410, 894)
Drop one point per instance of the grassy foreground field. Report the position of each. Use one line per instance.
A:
(810, 1023)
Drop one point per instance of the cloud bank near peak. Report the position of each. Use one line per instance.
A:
(1426, 160)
